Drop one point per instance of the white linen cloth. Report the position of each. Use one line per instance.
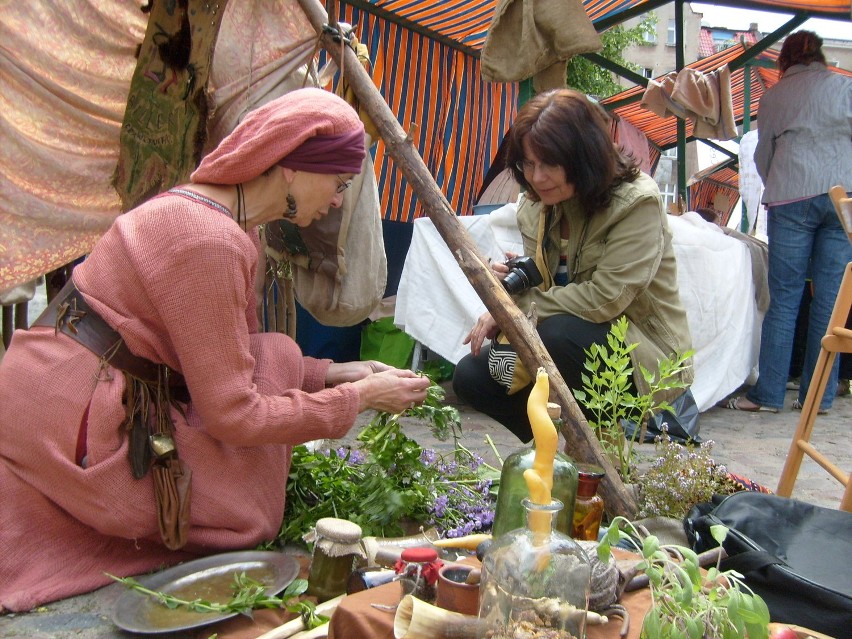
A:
(437, 306)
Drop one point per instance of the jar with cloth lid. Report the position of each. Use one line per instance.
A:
(337, 544)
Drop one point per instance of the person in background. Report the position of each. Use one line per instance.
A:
(170, 289)
(710, 215)
(804, 148)
(597, 228)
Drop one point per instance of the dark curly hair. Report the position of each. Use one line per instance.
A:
(565, 128)
(802, 47)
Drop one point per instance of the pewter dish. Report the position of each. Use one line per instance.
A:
(208, 578)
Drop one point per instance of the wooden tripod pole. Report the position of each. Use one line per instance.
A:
(581, 441)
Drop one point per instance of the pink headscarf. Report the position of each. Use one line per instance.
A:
(328, 128)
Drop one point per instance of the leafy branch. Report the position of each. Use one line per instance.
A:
(443, 421)
(389, 479)
(608, 393)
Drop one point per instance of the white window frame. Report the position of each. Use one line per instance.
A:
(669, 193)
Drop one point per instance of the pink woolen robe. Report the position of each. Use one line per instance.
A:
(175, 278)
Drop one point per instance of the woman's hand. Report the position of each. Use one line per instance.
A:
(485, 328)
(499, 269)
(392, 390)
(339, 373)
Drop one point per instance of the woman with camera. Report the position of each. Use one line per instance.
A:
(593, 225)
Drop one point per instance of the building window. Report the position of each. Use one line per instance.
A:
(666, 176)
(670, 34)
(650, 36)
(669, 193)
(647, 72)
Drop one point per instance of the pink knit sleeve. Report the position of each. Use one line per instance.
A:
(246, 391)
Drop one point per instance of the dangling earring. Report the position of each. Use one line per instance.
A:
(291, 206)
(241, 204)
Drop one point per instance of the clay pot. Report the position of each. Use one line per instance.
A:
(453, 593)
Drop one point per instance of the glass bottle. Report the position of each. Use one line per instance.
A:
(509, 513)
(535, 581)
(337, 544)
(589, 506)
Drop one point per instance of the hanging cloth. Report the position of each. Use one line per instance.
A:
(535, 39)
(164, 127)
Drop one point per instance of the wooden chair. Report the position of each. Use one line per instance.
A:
(837, 339)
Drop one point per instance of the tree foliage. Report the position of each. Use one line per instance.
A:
(586, 76)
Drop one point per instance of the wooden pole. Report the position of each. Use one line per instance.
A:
(581, 442)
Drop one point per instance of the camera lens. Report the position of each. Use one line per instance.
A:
(515, 281)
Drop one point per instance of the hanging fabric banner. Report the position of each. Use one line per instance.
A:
(164, 127)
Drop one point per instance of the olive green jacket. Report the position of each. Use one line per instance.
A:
(620, 262)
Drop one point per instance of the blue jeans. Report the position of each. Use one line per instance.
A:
(805, 237)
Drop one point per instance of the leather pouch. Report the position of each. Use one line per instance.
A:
(172, 491)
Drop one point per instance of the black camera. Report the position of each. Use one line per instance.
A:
(523, 274)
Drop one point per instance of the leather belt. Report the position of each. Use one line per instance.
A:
(69, 313)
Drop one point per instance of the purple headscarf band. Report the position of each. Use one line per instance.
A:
(328, 154)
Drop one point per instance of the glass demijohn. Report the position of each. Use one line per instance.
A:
(535, 581)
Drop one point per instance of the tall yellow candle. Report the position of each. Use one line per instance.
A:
(539, 478)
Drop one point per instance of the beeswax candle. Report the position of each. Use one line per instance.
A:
(539, 478)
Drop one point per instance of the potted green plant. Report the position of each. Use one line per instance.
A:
(688, 602)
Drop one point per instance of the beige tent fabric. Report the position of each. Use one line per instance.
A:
(64, 90)
(262, 52)
(529, 38)
(703, 98)
(65, 69)
(266, 49)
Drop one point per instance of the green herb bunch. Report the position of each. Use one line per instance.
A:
(686, 602)
(609, 395)
(388, 480)
(248, 595)
(680, 477)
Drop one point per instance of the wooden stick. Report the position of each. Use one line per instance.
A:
(581, 442)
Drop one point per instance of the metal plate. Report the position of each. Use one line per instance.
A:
(208, 578)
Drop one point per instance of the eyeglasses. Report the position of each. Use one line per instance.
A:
(525, 166)
(344, 184)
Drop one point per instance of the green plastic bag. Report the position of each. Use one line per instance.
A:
(383, 341)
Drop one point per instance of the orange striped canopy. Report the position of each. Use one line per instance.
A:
(426, 65)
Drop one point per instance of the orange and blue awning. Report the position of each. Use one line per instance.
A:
(426, 65)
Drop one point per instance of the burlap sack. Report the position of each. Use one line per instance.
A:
(342, 273)
(528, 37)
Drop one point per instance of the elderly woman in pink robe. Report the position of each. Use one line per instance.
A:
(173, 283)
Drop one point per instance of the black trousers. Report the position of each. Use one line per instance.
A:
(566, 337)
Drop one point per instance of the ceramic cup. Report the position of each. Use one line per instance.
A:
(453, 593)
